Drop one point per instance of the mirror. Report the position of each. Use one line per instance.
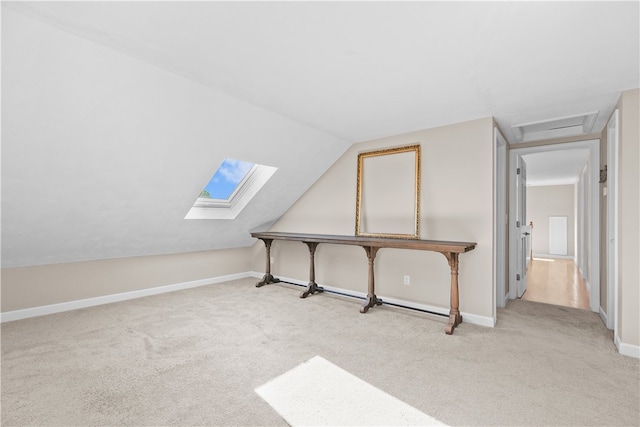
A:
(388, 195)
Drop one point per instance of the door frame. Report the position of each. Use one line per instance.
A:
(593, 170)
(500, 221)
(613, 141)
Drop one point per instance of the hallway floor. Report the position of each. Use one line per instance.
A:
(556, 281)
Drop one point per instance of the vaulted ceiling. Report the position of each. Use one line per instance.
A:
(115, 114)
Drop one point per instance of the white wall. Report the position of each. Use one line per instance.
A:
(104, 154)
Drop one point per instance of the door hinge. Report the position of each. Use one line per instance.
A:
(518, 171)
(517, 277)
(517, 223)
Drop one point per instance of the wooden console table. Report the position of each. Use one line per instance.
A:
(371, 245)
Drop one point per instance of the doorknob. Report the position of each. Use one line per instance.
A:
(526, 233)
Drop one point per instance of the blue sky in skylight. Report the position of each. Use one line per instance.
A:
(226, 179)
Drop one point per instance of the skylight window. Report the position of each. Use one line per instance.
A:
(226, 179)
(231, 188)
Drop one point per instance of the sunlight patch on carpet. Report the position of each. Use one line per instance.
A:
(319, 393)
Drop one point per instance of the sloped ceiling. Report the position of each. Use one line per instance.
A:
(115, 114)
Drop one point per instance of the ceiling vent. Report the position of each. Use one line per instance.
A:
(555, 128)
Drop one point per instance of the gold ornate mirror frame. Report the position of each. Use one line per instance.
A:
(388, 195)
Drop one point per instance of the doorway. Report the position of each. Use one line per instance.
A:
(553, 276)
(556, 281)
(587, 227)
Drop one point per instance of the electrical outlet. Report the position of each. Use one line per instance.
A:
(407, 279)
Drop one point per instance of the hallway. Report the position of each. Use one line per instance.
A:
(557, 282)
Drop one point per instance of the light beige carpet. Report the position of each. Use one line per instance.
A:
(195, 357)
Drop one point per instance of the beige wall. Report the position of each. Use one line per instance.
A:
(629, 222)
(456, 204)
(546, 201)
(29, 287)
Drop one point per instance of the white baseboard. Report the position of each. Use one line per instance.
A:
(467, 317)
(551, 256)
(626, 349)
(107, 299)
(506, 300)
(604, 317)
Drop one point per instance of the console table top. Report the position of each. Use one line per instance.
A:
(379, 242)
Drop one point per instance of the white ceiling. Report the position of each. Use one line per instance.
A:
(116, 114)
(557, 167)
(360, 70)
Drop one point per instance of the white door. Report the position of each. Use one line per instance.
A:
(523, 229)
(558, 235)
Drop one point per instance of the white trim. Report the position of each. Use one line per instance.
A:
(550, 256)
(603, 316)
(555, 128)
(467, 317)
(613, 142)
(626, 349)
(499, 220)
(107, 299)
(242, 195)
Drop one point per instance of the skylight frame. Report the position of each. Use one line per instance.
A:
(249, 186)
(228, 202)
